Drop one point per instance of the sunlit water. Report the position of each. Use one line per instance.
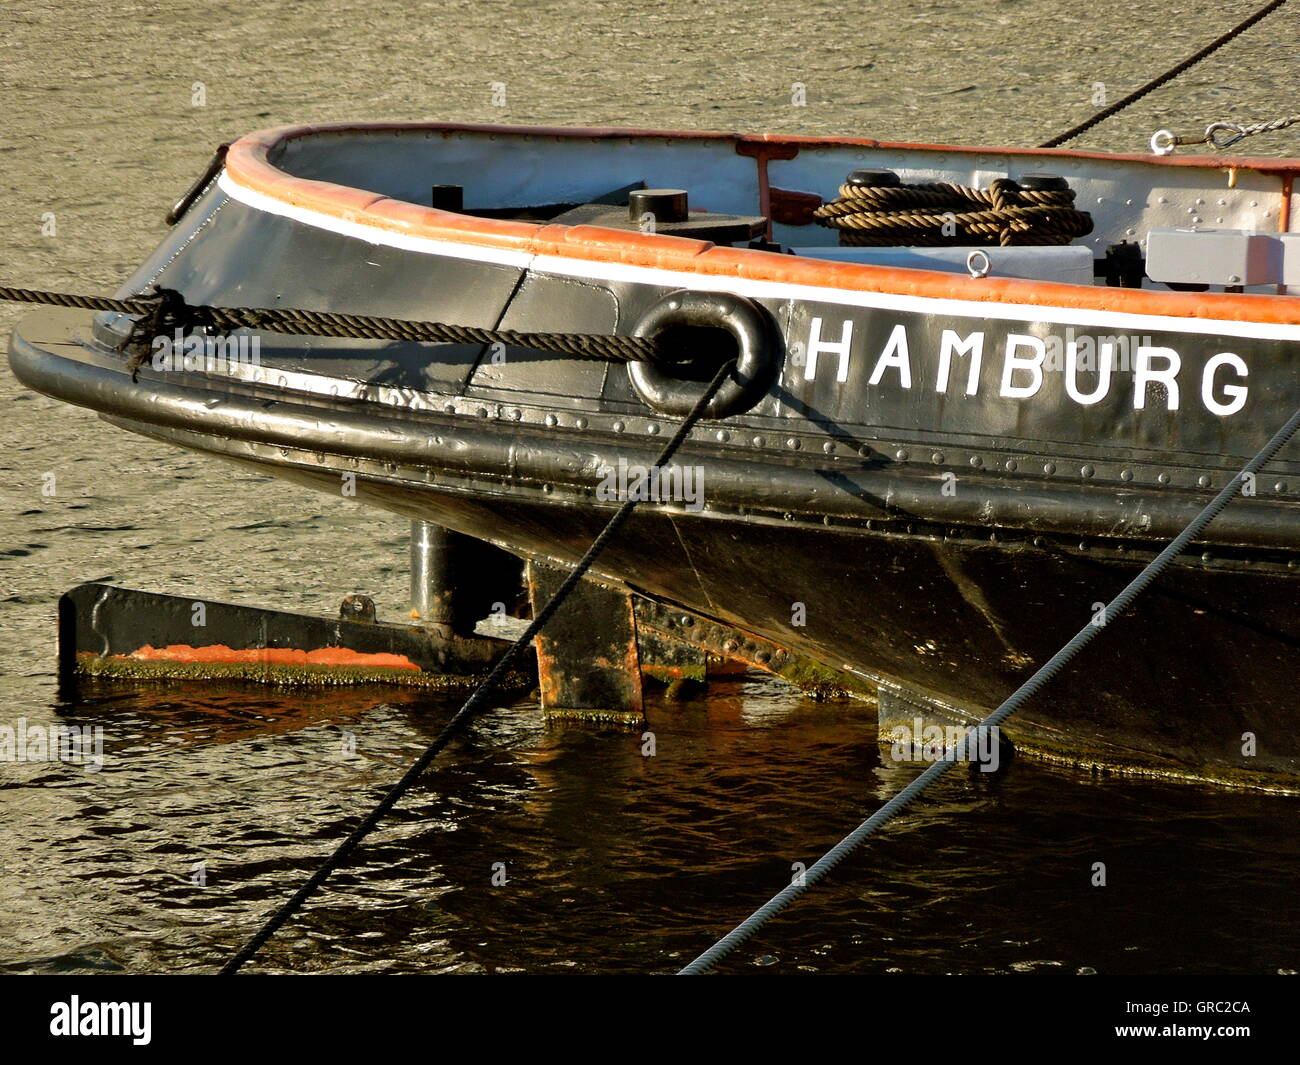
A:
(212, 805)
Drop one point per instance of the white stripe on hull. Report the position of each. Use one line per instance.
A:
(771, 290)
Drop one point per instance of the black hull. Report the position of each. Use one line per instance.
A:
(956, 621)
(946, 519)
(952, 615)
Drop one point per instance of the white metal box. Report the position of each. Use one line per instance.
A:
(1214, 257)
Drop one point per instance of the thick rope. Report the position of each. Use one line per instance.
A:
(1165, 78)
(474, 703)
(948, 214)
(1114, 609)
(165, 310)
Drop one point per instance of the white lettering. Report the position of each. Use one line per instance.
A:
(1107, 361)
(77, 1018)
(816, 345)
(1026, 362)
(1236, 393)
(1144, 374)
(951, 344)
(1013, 362)
(895, 354)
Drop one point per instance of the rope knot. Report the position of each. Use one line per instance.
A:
(165, 312)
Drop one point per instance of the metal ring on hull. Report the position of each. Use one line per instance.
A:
(757, 347)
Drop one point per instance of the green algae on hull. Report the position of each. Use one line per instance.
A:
(629, 719)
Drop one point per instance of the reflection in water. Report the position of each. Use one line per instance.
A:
(612, 861)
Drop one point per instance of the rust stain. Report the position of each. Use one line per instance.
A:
(793, 208)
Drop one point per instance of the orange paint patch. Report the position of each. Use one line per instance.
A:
(279, 656)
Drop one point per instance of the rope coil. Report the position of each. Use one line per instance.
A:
(943, 213)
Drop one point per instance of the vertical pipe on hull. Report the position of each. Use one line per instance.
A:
(433, 596)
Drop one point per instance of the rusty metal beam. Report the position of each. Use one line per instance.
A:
(121, 632)
(668, 660)
(676, 624)
(587, 660)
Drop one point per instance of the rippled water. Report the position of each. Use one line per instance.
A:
(614, 862)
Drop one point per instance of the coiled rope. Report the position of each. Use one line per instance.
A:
(1114, 609)
(474, 703)
(1165, 78)
(164, 310)
(1005, 213)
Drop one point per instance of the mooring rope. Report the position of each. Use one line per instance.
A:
(1113, 610)
(1165, 78)
(475, 702)
(164, 310)
(1253, 129)
(942, 213)
(1219, 134)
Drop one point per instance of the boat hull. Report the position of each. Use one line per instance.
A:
(945, 478)
(951, 620)
(948, 616)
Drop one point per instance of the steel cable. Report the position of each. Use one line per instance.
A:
(165, 310)
(755, 922)
(473, 704)
(1165, 78)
